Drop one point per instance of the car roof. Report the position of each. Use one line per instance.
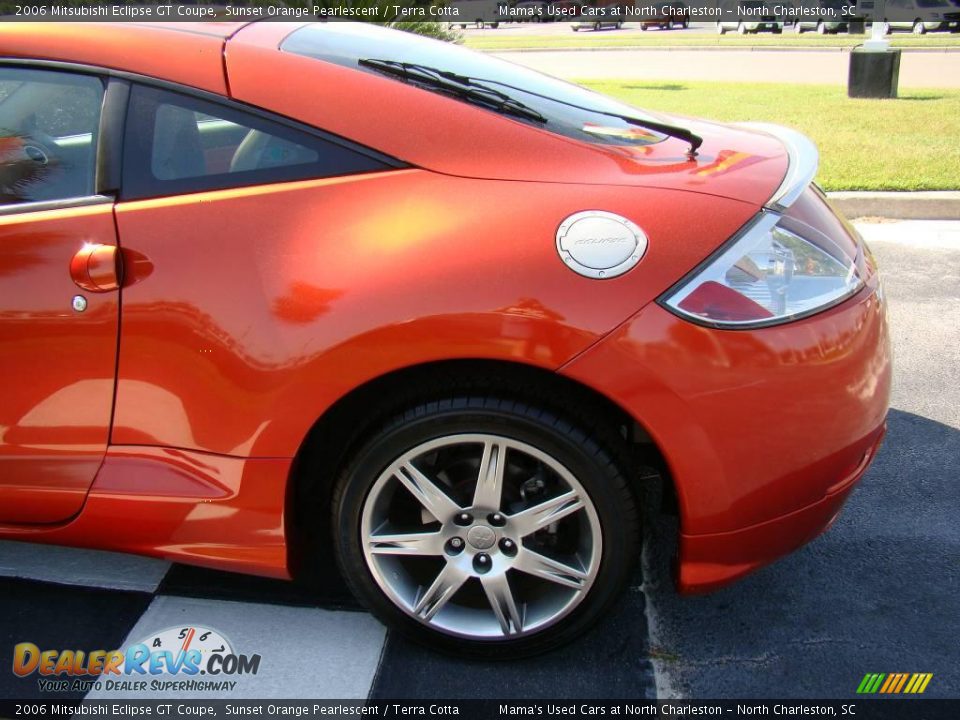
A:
(217, 29)
(189, 53)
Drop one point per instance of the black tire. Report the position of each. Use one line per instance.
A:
(590, 457)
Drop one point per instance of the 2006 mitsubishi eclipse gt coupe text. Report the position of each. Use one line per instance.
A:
(275, 295)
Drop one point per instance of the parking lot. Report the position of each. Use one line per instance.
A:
(880, 592)
(563, 28)
(931, 61)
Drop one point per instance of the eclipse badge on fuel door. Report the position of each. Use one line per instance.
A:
(600, 245)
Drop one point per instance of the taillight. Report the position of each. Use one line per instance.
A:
(775, 270)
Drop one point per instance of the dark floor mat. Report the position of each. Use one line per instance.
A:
(609, 662)
(61, 617)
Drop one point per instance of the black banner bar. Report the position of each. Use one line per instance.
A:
(467, 11)
(856, 708)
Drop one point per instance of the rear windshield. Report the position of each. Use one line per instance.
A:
(348, 43)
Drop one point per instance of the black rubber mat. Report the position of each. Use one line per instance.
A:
(61, 617)
(609, 662)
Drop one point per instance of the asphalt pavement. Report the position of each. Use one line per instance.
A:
(880, 592)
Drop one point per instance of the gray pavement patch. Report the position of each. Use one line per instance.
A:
(915, 234)
(72, 566)
(306, 653)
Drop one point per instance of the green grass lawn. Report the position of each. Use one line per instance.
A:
(911, 143)
(515, 40)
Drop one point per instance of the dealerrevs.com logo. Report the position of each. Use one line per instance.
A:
(171, 660)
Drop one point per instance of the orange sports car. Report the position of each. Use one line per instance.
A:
(274, 295)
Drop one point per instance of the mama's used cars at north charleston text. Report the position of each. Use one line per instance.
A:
(418, 309)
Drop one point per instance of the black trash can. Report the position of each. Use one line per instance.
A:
(873, 73)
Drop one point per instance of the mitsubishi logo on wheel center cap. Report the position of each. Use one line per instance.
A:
(481, 537)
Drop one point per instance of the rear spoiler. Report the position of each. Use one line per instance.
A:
(803, 160)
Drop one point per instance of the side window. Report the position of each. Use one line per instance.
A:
(180, 144)
(49, 122)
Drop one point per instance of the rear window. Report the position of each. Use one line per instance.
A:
(348, 43)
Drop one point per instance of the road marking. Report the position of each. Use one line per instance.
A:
(71, 566)
(305, 652)
(666, 689)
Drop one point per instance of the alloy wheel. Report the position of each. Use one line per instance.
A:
(481, 536)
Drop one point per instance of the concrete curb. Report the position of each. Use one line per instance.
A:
(924, 205)
(706, 48)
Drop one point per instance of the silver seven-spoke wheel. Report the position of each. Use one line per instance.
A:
(481, 536)
(487, 526)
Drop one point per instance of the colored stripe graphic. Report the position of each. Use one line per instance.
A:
(870, 683)
(894, 683)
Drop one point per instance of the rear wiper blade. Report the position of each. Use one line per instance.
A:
(694, 140)
(436, 76)
(676, 131)
(454, 84)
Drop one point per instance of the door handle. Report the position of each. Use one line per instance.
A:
(97, 268)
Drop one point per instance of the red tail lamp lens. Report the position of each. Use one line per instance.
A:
(718, 302)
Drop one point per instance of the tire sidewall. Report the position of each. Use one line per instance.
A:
(592, 467)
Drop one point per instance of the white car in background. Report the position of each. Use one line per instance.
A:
(750, 23)
(923, 16)
(479, 12)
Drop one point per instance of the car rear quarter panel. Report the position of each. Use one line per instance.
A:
(247, 313)
(754, 424)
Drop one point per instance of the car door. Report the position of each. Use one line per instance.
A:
(208, 202)
(59, 306)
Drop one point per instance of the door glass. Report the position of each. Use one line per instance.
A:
(179, 144)
(48, 134)
(187, 143)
